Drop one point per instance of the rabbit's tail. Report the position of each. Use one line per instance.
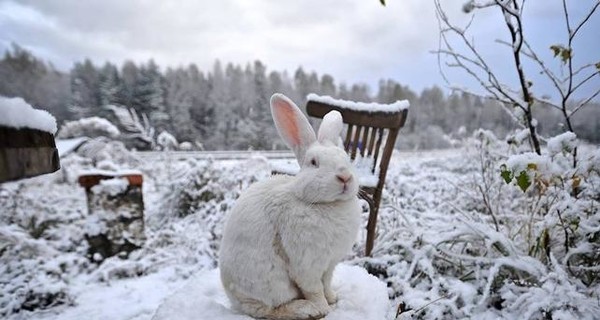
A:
(295, 309)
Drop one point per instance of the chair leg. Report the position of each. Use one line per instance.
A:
(371, 227)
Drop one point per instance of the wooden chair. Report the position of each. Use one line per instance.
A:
(371, 135)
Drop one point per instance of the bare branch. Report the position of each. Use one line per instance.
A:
(494, 84)
(589, 65)
(531, 54)
(548, 102)
(583, 103)
(572, 34)
(585, 80)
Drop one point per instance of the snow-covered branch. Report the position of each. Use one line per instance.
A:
(133, 126)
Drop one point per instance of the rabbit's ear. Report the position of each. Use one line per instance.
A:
(331, 127)
(292, 125)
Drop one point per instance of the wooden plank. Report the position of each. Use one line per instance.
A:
(355, 142)
(89, 180)
(26, 153)
(348, 136)
(364, 140)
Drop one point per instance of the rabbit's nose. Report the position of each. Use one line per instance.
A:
(344, 178)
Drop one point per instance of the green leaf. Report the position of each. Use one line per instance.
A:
(523, 180)
(574, 224)
(382, 2)
(506, 174)
(556, 49)
(565, 55)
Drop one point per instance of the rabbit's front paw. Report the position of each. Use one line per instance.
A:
(305, 309)
(331, 296)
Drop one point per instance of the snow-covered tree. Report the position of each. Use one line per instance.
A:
(110, 86)
(85, 89)
(149, 95)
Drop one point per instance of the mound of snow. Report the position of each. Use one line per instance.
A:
(360, 296)
(16, 113)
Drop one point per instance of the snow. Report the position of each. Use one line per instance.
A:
(66, 146)
(116, 173)
(111, 187)
(533, 164)
(439, 252)
(360, 296)
(132, 299)
(85, 126)
(17, 113)
(566, 141)
(166, 140)
(185, 146)
(360, 106)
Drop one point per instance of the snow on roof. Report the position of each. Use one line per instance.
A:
(66, 146)
(360, 106)
(16, 113)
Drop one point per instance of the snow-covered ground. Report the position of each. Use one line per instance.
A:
(434, 250)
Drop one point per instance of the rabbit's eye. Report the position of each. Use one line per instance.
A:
(313, 162)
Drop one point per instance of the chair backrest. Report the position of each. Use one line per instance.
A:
(372, 135)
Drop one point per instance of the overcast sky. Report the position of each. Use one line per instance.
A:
(353, 40)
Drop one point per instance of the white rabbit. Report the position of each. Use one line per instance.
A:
(285, 235)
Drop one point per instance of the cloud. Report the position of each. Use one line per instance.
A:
(353, 40)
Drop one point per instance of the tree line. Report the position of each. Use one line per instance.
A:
(228, 107)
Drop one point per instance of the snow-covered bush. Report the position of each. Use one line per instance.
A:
(166, 141)
(108, 154)
(479, 247)
(186, 146)
(200, 189)
(39, 245)
(89, 127)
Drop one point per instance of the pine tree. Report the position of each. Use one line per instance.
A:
(149, 95)
(85, 90)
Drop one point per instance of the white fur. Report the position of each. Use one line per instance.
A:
(285, 235)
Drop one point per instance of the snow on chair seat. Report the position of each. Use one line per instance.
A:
(360, 296)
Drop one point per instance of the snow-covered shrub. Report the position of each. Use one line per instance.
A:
(201, 188)
(477, 247)
(166, 141)
(547, 213)
(38, 245)
(109, 154)
(186, 146)
(89, 127)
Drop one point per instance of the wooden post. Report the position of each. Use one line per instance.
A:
(115, 222)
